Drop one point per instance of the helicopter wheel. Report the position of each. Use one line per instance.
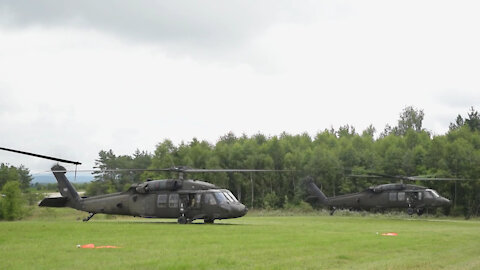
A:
(209, 221)
(420, 211)
(182, 220)
(410, 211)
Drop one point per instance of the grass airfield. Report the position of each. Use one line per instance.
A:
(256, 241)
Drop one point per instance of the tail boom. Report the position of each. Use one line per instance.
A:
(315, 192)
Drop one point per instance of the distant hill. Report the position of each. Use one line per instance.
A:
(49, 178)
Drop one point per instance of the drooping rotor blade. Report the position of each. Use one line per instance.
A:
(186, 169)
(363, 176)
(418, 178)
(111, 170)
(375, 175)
(409, 178)
(40, 156)
(177, 169)
(231, 170)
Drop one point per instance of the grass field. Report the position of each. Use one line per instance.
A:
(251, 242)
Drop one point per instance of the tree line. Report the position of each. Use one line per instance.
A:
(330, 157)
(14, 184)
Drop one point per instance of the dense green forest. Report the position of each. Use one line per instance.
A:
(330, 157)
(14, 191)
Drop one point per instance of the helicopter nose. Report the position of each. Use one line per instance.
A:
(444, 201)
(238, 210)
(244, 211)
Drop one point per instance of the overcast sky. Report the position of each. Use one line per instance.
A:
(77, 77)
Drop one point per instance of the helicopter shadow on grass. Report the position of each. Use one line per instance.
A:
(167, 223)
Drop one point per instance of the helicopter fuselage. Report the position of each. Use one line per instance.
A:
(186, 200)
(413, 197)
(193, 204)
(389, 199)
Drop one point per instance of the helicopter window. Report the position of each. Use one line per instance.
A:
(232, 196)
(434, 193)
(401, 196)
(162, 200)
(198, 198)
(173, 200)
(209, 199)
(220, 197)
(229, 198)
(392, 196)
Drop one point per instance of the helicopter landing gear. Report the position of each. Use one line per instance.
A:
(420, 211)
(209, 221)
(410, 211)
(89, 217)
(332, 211)
(182, 220)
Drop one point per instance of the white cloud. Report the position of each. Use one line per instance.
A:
(72, 87)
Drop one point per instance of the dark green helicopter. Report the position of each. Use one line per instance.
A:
(398, 195)
(183, 199)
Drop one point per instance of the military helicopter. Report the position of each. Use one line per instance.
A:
(186, 200)
(398, 195)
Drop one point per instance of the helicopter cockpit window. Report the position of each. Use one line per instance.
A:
(209, 199)
(162, 200)
(229, 198)
(434, 193)
(220, 197)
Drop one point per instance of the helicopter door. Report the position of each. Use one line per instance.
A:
(414, 197)
(167, 205)
(195, 201)
(209, 201)
(173, 205)
(193, 205)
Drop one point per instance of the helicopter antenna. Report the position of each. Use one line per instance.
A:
(40, 156)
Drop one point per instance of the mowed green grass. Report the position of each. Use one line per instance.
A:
(251, 242)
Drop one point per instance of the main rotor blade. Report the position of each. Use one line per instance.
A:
(363, 176)
(175, 169)
(390, 176)
(41, 156)
(231, 170)
(416, 178)
(409, 178)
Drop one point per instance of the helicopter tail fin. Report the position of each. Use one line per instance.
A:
(315, 192)
(70, 197)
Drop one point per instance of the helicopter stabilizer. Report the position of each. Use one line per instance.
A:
(54, 202)
(70, 197)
